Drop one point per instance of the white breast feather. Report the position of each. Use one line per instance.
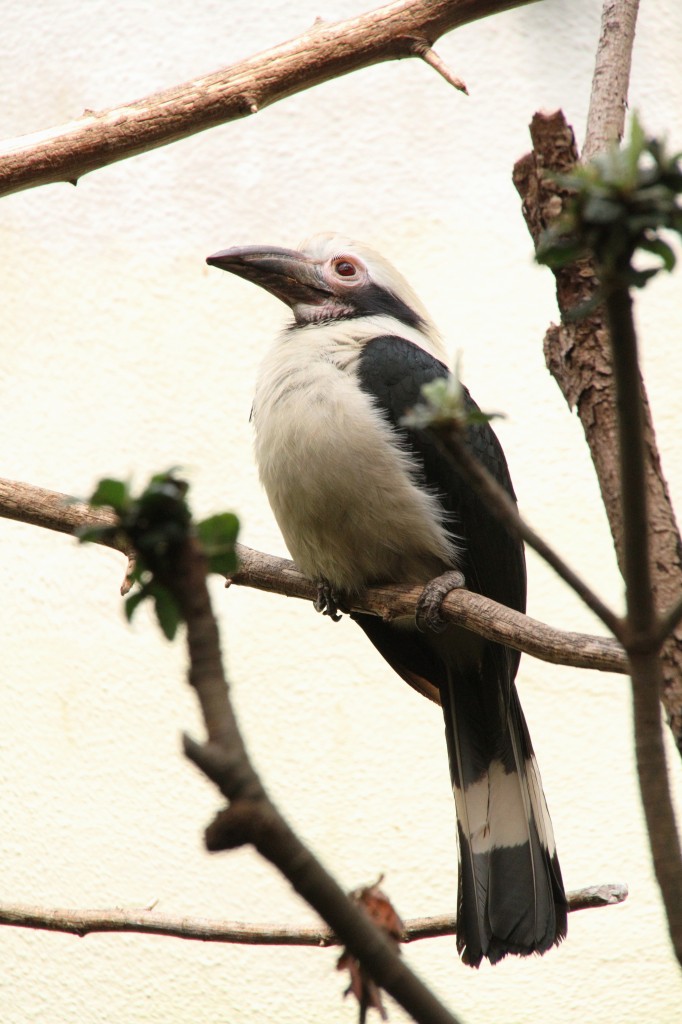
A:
(344, 496)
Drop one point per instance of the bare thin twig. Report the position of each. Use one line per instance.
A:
(324, 52)
(55, 511)
(151, 922)
(504, 507)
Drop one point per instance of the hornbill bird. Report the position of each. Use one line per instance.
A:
(360, 499)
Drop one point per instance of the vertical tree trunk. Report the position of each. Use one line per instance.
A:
(578, 357)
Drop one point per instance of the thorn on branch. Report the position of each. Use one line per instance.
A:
(234, 826)
(225, 768)
(420, 48)
(129, 578)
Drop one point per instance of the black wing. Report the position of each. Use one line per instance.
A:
(511, 897)
(393, 371)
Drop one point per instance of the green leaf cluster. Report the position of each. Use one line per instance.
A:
(154, 524)
(622, 201)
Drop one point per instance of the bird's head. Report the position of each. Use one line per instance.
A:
(328, 278)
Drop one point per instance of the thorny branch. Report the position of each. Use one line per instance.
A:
(406, 28)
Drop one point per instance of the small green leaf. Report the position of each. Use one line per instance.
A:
(557, 252)
(169, 476)
(220, 529)
(475, 417)
(98, 534)
(222, 564)
(442, 399)
(636, 147)
(217, 535)
(167, 611)
(619, 203)
(111, 492)
(661, 249)
(134, 600)
(140, 574)
(442, 403)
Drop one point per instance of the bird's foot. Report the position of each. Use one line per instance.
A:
(329, 601)
(427, 614)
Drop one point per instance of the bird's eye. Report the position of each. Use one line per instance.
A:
(344, 268)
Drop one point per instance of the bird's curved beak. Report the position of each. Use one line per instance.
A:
(291, 276)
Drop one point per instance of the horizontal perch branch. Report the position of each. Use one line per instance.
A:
(477, 613)
(54, 511)
(407, 28)
(84, 922)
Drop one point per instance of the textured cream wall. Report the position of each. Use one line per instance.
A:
(122, 353)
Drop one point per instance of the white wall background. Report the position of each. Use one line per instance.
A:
(122, 353)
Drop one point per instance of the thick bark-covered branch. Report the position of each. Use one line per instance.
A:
(595, 361)
(407, 28)
(251, 817)
(151, 922)
(578, 356)
(54, 511)
(473, 611)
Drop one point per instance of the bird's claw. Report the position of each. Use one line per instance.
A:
(328, 602)
(427, 614)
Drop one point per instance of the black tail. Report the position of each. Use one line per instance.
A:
(511, 896)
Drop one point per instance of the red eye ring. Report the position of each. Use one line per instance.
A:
(344, 268)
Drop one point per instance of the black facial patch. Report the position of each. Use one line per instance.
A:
(373, 300)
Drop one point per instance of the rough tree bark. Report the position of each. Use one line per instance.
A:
(578, 357)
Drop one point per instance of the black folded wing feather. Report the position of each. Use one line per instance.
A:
(511, 896)
(392, 370)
